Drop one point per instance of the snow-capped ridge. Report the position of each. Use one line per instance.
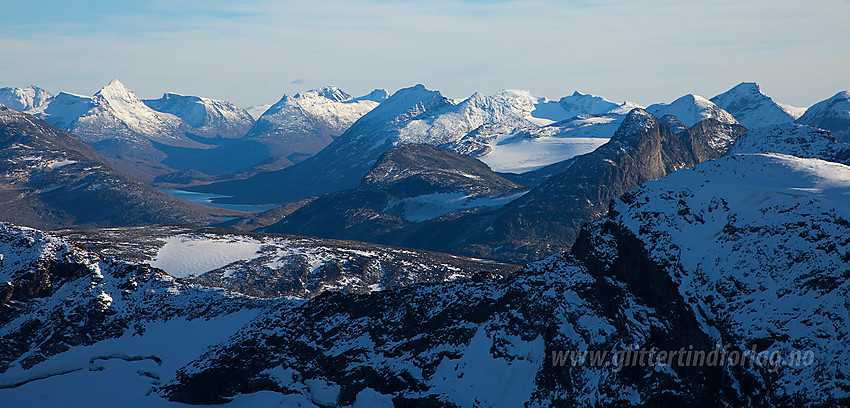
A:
(752, 108)
(691, 109)
(24, 99)
(831, 114)
(208, 117)
(410, 100)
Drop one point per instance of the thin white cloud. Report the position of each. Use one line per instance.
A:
(643, 51)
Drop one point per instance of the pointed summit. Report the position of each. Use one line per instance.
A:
(636, 124)
(406, 100)
(752, 108)
(117, 91)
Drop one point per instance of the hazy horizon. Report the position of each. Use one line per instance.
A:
(251, 53)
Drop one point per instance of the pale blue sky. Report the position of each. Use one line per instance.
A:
(251, 52)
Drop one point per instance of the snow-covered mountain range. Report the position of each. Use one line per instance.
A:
(679, 230)
(207, 118)
(419, 115)
(512, 224)
(24, 99)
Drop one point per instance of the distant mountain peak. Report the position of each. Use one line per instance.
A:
(691, 109)
(117, 91)
(328, 92)
(580, 104)
(832, 114)
(405, 100)
(752, 108)
(377, 95)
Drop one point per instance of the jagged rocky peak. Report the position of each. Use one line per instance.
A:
(24, 99)
(636, 124)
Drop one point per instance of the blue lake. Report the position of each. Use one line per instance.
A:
(207, 198)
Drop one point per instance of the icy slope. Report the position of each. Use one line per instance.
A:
(64, 109)
(760, 243)
(208, 117)
(754, 109)
(24, 99)
(306, 122)
(514, 149)
(119, 114)
(69, 318)
(690, 109)
(832, 114)
(795, 140)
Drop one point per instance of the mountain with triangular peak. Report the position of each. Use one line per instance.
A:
(832, 114)
(24, 99)
(209, 118)
(118, 114)
(690, 109)
(753, 109)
